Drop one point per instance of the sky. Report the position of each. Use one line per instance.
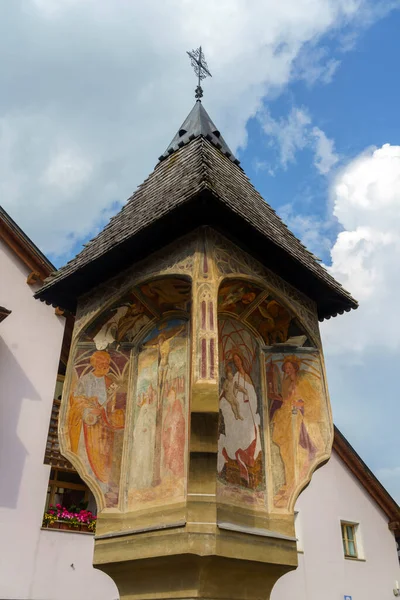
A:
(305, 92)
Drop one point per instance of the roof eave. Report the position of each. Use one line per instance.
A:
(23, 246)
(368, 480)
(203, 209)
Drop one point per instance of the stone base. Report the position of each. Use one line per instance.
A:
(191, 576)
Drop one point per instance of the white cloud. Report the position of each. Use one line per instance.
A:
(325, 156)
(366, 255)
(314, 64)
(363, 347)
(296, 133)
(312, 230)
(291, 134)
(93, 91)
(67, 171)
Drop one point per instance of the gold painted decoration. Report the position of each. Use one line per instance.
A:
(298, 413)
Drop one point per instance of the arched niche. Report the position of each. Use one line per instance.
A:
(290, 406)
(241, 464)
(157, 450)
(97, 419)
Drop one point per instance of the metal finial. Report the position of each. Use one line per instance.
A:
(200, 68)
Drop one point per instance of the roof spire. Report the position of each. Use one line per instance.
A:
(200, 67)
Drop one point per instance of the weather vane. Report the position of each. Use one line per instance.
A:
(200, 68)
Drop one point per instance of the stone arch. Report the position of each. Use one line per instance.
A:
(93, 422)
(157, 446)
(294, 396)
(267, 314)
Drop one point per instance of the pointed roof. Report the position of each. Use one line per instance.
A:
(196, 185)
(198, 123)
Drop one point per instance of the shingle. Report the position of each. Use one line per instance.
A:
(193, 168)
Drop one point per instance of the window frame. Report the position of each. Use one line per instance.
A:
(56, 483)
(345, 539)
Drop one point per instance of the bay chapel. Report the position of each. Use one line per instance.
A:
(166, 425)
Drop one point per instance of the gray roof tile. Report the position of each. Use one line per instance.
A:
(196, 167)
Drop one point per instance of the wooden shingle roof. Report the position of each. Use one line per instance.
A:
(196, 185)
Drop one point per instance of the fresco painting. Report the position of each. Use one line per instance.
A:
(236, 296)
(160, 423)
(240, 445)
(124, 320)
(297, 412)
(119, 324)
(271, 320)
(170, 293)
(265, 315)
(96, 415)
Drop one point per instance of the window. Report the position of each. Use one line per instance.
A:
(68, 489)
(349, 531)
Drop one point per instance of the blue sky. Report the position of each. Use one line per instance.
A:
(304, 91)
(358, 108)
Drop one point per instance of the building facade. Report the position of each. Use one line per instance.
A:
(33, 562)
(194, 408)
(335, 497)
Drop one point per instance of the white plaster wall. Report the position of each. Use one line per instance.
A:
(64, 571)
(334, 495)
(33, 565)
(36, 564)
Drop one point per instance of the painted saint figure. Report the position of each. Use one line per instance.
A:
(159, 438)
(241, 440)
(93, 412)
(296, 423)
(144, 438)
(230, 389)
(163, 345)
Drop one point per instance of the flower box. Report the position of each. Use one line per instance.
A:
(64, 525)
(59, 517)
